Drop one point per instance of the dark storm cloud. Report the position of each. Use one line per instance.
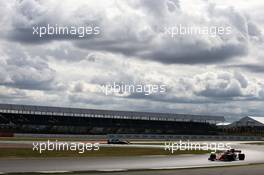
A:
(33, 69)
(253, 29)
(17, 95)
(170, 98)
(81, 99)
(207, 88)
(158, 8)
(169, 52)
(182, 50)
(68, 53)
(195, 54)
(257, 68)
(226, 93)
(222, 86)
(126, 47)
(173, 5)
(129, 38)
(21, 71)
(30, 15)
(25, 35)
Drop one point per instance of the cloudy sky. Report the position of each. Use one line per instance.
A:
(220, 75)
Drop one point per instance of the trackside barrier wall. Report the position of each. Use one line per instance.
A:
(184, 137)
(98, 137)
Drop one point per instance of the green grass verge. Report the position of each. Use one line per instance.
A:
(104, 151)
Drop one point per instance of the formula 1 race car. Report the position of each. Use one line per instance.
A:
(228, 155)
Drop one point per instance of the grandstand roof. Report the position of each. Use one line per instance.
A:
(258, 119)
(78, 112)
(249, 121)
(223, 124)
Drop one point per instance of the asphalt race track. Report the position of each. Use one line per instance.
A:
(233, 170)
(254, 154)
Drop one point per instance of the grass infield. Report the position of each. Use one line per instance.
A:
(103, 151)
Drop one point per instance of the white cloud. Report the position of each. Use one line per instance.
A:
(203, 74)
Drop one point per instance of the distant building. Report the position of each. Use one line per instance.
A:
(249, 121)
(248, 125)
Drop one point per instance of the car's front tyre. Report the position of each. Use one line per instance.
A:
(212, 157)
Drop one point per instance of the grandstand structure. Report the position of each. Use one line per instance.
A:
(249, 125)
(60, 120)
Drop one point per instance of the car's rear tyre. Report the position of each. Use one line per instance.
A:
(241, 156)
